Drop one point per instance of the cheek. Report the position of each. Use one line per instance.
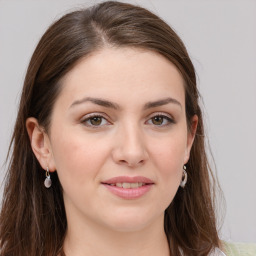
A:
(169, 154)
(168, 158)
(77, 157)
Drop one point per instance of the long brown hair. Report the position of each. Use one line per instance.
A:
(33, 220)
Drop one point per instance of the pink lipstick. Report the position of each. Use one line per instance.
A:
(128, 187)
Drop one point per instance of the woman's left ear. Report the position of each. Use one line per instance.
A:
(191, 137)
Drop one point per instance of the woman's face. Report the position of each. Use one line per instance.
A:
(119, 139)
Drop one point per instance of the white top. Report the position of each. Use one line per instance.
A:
(217, 252)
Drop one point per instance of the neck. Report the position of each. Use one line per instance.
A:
(91, 239)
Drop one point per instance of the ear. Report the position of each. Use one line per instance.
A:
(40, 144)
(191, 137)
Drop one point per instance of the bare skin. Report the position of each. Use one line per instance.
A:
(121, 112)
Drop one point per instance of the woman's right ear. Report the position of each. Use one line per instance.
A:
(40, 143)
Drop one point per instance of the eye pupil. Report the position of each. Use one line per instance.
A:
(158, 120)
(96, 120)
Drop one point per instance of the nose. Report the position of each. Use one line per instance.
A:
(130, 148)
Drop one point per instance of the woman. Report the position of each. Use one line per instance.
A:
(108, 152)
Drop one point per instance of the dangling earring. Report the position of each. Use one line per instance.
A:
(47, 181)
(184, 177)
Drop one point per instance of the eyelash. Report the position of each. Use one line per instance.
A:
(168, 119)
(89, 117)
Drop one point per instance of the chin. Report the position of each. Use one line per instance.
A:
(132, 221)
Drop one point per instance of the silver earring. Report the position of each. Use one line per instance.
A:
(47, 181)
(184, 177)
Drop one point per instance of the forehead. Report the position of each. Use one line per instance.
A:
(123, 73)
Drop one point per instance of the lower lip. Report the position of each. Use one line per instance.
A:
(129, 193)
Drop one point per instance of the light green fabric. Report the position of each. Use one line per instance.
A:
(239, 249)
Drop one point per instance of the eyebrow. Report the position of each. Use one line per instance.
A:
(109, 104)
(161, 102)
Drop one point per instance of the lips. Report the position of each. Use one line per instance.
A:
(128, 179)
(128, 187)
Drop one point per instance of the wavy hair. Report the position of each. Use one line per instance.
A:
(33, 220)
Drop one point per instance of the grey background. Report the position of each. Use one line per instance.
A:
(221, 39)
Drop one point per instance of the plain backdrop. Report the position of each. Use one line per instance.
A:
(220, 36)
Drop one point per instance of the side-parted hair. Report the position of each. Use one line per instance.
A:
(33, 220)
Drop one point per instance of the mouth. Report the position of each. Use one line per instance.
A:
(128, 187)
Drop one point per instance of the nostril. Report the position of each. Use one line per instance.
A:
(131, 157)
(131, 163)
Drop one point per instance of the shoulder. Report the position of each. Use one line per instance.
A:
(239, 249)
